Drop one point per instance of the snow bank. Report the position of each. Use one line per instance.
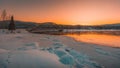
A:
(26, 50)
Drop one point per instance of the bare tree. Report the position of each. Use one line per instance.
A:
(4, 15)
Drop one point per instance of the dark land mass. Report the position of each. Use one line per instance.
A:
(57, 29)
(51, 25)
(18, 24)
(52, 28)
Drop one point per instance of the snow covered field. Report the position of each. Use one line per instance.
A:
(27, 50)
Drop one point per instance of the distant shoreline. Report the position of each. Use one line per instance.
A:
(108, 32)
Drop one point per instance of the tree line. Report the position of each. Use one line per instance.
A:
(5, 17)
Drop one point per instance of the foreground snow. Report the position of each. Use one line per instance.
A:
(26, 50)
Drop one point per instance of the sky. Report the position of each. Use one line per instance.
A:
(72, 12)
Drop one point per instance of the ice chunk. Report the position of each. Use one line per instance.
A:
(67, 60)
(3, 65)
(95, 65)
(51, 50)
(29, 46)
(60, 53)
(100, 51)
(43, 49)
(58, 45)
(69, 56)
(33, 44)
(55, 40)
(77, 54)
(77, 65)
(68, 49)
(82, 60)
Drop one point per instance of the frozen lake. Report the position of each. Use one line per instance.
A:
(28, 50)
(102, 39)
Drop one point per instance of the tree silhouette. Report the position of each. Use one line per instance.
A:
(11, 26)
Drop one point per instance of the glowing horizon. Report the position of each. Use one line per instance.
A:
(74, 12)
(73, 23)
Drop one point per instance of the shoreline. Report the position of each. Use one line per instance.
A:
(74, 31)
(86, 48)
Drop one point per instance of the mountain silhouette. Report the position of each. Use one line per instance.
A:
(18, 24)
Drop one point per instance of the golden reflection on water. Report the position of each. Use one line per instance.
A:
(106, 40)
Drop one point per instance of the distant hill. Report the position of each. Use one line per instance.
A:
(117, 24)
(110, 26)
(47, 23)
(19, 24)
(113, 25)
(52, 25)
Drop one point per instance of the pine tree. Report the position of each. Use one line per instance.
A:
(11, 26)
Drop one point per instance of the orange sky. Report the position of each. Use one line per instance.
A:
(74, 12)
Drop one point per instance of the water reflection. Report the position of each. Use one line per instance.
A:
(102, 39)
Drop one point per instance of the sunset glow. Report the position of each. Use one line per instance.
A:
(109, 40)
(72, 12)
